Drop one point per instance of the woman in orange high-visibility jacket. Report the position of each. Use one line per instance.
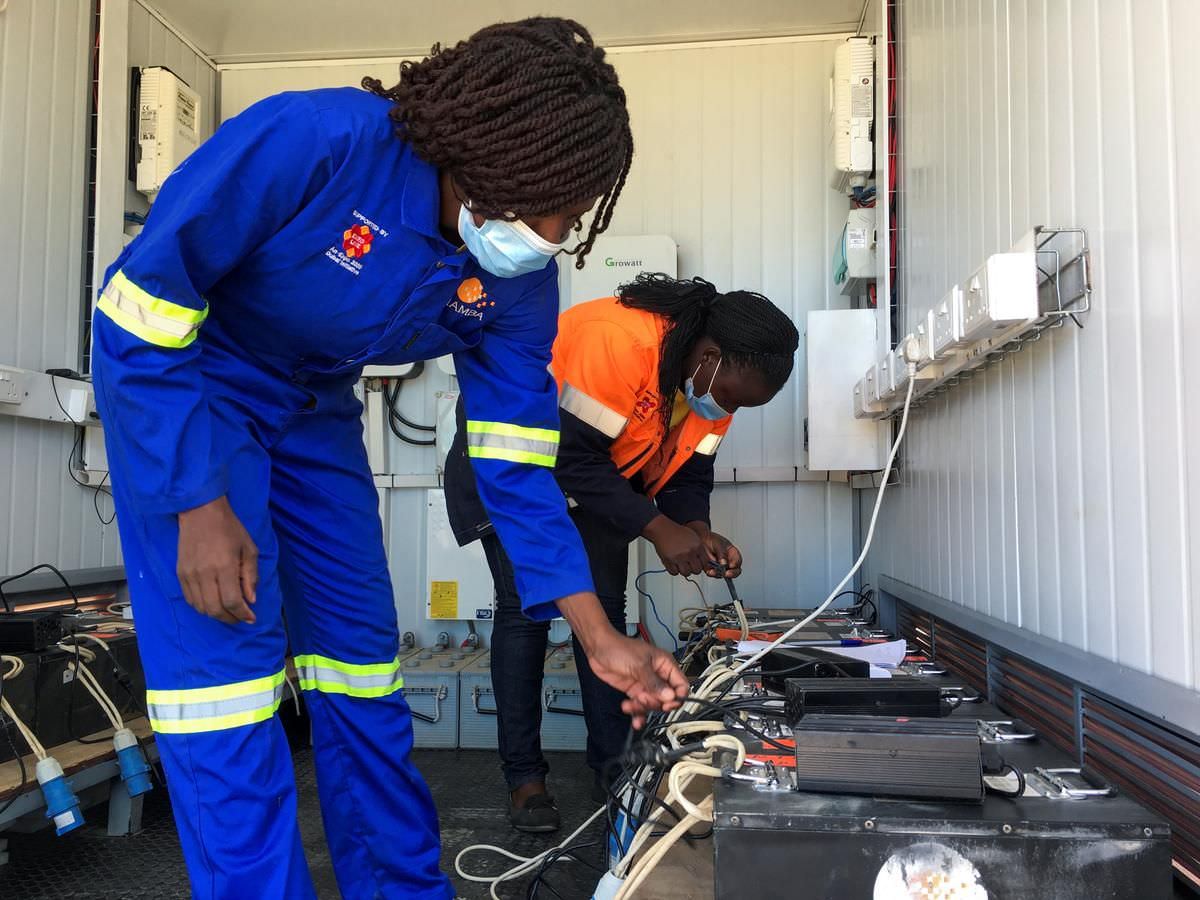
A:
(648, 383)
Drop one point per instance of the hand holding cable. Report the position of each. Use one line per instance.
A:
(681, 549)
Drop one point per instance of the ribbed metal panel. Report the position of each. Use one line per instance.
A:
(1157, 767)
(916, 628)
(1040, 697)
(963, 653)
(1057, 491)
(44, 82)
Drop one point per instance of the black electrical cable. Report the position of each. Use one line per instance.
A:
(77, 452)
(1020, 789)
(5, 722)
(37, 568)
(391, 397)
(569, 852)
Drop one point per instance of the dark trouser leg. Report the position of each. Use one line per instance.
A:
(607, 726)
(518, 661)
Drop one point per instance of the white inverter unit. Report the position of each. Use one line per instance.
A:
(168, 126)
(852, 112)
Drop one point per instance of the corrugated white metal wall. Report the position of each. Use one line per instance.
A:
(731, 163)
(1059, 490)
(44, 84)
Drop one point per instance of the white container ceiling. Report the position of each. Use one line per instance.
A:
(237, 31)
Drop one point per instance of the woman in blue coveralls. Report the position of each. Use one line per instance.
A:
(312, 234)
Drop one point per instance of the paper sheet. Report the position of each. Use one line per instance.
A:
(889, 654)
(882, 657)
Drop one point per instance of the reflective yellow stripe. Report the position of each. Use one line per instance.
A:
(154, 320)
(215, 708)
(517, 431)
(513, 443)
(157, 305)
(517, 456)
(592, 412)
(215, 723)
(332, 676)
(708, 444)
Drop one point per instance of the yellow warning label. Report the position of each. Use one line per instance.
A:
(443, 599)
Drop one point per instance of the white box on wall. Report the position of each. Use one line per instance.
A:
(168, 126)
(841, 346)
(613, 261)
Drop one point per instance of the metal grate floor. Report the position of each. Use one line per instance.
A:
(89, 865)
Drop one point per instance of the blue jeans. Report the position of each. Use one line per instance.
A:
(519, 647)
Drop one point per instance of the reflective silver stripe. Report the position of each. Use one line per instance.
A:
(708, 444)
(213, 709)
(131, 307)
(316, 675)
(509, 442)
(592, 411)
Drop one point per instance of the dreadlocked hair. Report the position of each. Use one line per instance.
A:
(527, 117)
(750, 330)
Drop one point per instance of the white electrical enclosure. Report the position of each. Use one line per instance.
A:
(168, 126)
(860, 254)
(852, 112)
(841, 344)
(458, 582)
(615, 260)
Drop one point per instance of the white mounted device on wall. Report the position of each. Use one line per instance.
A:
(852, 112)
(615, 260)
(168, 126)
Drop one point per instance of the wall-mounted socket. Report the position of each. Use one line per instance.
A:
(944, 325)
(883, 377)
(1002, 294)
(865, 404)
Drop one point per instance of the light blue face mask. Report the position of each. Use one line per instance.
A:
(506, 249)
(705, 407)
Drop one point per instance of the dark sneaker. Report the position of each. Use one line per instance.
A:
(537, 814)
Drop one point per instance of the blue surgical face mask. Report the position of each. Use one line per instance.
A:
(506, 249)
(705, 407)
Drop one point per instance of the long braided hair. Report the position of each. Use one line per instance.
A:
(527, 117)
(750, 330)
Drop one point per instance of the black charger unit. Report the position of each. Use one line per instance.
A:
(808, 662)
(30, 631)
(883, 756)
(897, 696)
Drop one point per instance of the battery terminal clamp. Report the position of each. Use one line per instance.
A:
(1071, 784)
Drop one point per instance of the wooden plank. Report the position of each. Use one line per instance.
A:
(685, 873)
(73, 757)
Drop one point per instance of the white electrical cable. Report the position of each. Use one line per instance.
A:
(718, 673)
(16, 667)
(525, 864)
(80, 656)
(866, 543)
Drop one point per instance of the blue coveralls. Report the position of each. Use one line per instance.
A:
(296, 245)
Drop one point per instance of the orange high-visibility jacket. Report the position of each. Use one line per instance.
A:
(615, 458)
(606, 361)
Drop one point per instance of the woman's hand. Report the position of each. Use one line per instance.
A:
(218, 563)
(646, 675)
(721, 549)
(681, 549)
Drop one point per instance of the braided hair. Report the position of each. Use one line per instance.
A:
(527, 117)
(751, 331)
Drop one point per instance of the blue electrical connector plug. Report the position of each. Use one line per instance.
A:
(135, 771)
(61, 803)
